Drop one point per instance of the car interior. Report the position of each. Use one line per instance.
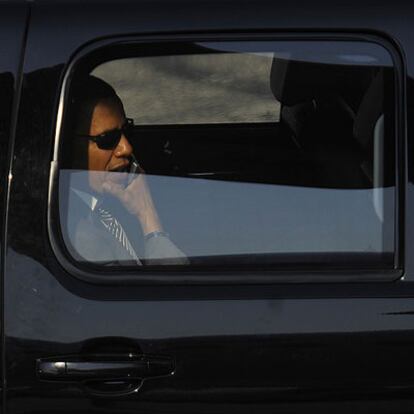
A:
(335, 132)
(325, 137)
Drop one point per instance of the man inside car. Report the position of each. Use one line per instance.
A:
(99, 230)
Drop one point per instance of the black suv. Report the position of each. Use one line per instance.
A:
(206, 206)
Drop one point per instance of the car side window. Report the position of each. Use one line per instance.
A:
(252, 154)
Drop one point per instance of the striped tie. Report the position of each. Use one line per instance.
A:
(116, 229)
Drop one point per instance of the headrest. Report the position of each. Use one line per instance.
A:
(295, 81)
(289, 82)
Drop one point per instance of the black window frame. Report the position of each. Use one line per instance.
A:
(182, 275)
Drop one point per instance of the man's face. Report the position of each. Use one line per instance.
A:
(106, 117)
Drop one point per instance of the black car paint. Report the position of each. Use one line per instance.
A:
(265, 347)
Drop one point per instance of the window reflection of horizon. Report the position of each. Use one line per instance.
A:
(215, 217)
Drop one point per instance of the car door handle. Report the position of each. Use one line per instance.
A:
(103, 367)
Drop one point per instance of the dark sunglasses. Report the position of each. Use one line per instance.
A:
(109, 140)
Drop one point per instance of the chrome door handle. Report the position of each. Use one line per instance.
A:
(103, 367)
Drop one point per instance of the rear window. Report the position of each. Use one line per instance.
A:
(238, 154)
(194, 89)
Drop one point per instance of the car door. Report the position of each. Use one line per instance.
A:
(294, 228)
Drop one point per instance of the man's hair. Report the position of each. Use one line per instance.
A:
(85, 94)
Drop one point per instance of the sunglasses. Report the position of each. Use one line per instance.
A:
(109, 140)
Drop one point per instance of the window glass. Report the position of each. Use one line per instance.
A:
(261, 154)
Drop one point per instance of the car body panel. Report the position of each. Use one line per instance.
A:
(288, 347)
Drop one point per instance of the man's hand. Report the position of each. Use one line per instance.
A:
(136, 198)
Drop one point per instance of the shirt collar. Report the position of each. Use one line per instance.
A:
(87, 198)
